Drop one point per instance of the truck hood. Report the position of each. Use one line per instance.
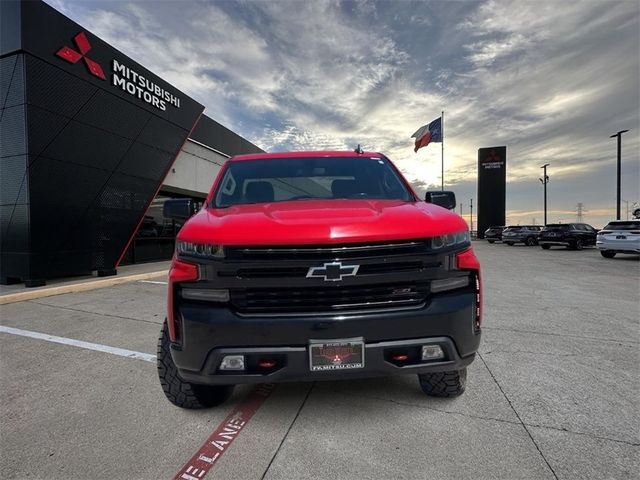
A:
(305, 222)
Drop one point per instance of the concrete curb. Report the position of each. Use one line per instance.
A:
(78, 287)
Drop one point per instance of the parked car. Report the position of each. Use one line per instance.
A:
(493, 234)
(148, 228)
(574, 236)
(309, 266)
(527, 234)
(619, 236)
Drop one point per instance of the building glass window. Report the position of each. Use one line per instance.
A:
(155, 239)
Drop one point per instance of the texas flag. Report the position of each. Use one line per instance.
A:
(428, 133)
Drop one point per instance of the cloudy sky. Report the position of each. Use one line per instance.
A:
(550, 80)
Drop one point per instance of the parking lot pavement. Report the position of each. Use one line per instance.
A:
(554, 393)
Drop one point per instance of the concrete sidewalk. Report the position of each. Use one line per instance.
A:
(126, 274)
(552, 395)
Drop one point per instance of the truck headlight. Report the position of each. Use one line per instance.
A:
(449, 240)
(202, 250)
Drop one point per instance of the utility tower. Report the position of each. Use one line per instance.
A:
(580, 211)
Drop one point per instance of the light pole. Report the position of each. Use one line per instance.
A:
(544, 180)
(619, 135)
(471, 213)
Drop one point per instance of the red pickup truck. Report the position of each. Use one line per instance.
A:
(308, 266)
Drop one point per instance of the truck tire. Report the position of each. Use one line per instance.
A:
(179, 392)
(545, 246)
(607, 253)
(443, 384)
(530, 242)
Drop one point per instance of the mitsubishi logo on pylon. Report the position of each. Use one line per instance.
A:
(72, 56)
(493, 157)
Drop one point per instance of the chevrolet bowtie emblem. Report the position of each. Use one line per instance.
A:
(333, 271)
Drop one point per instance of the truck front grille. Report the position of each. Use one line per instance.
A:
(328, 298)
(311, 252)
(377, 268)
(300, 280)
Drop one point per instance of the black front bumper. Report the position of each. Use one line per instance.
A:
(209, 333)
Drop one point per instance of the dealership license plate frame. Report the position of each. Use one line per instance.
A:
(342, 345)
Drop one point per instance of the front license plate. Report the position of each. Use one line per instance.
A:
(621, 237)
(327, 355)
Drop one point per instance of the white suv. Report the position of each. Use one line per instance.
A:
(619, 236)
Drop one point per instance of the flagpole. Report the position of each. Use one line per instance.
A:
(442, 133)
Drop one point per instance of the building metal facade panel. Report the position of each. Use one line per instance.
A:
(88, 136)
(87, 156)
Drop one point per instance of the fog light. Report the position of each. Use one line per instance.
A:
(232, 362)
(432, 352)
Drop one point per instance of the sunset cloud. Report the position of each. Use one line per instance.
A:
(551, 80)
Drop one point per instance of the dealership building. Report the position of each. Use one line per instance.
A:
(91, 145)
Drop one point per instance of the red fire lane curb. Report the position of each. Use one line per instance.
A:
(224, 435)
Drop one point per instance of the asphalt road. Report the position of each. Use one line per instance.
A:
(553, 393)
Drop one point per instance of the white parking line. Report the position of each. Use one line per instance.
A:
(147, 357)
(153, 281)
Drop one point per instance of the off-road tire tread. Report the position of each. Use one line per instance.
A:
(443, 384)
(184, 394)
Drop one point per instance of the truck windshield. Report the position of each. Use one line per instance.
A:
(287, 179)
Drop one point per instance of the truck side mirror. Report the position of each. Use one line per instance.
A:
(179, 209)
(444, 199)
